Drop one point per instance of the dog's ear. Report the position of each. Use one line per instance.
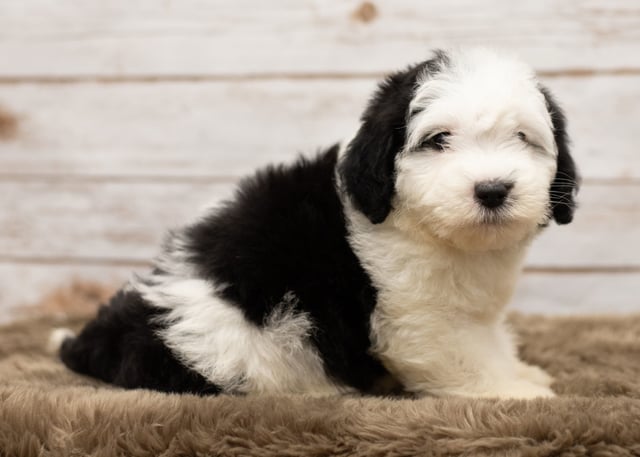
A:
(566, 182)
(368, 168)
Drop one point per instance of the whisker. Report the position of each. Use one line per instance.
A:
(562, 173)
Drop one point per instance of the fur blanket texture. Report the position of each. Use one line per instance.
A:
(45, 410)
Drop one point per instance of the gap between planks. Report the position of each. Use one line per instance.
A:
(134, 263)
(211, 179)
(133, 178)
(146, 79)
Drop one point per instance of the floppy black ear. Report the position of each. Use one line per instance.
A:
(368, 168)
(566, 182)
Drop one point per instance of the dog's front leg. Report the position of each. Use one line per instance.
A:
(534, 374)
(488, 366)
(472, 359)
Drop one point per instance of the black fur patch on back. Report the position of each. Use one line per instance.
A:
(285, 233)
(120, 346)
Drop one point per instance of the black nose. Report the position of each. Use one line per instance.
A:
(492, 194)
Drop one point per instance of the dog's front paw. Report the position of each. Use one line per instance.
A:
(506, 389)
(534, 374)
(525, 389)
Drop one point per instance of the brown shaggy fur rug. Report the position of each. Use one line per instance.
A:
(46, 410)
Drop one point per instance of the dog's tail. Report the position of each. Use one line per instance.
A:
(58, 339)
(72, 351)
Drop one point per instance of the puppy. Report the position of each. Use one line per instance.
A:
(391, 257)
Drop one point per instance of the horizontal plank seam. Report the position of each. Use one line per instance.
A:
(117, 79)
(209, 179)
(583, 269)
(128, 178)
(68, 260)
(129, 262)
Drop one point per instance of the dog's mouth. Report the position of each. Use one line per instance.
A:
(492, 218)
(495, 216)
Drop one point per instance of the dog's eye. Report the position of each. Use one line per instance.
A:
(437, 141)
(526, 140)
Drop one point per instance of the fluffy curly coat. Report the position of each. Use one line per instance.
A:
(383, 264)
(50, 411)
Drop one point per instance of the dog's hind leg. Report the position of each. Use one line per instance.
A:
(121, 346)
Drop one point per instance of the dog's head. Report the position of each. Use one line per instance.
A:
(467, 147)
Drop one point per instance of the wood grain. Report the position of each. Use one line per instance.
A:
(174, 129)
(595, 293)
(22, 285)
(119, 118)
(246, 37)
(108, 221)
(229, 128)
(96, 222)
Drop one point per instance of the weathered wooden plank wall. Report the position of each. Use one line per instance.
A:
(119, 118)
(252, 38)
(210, 128)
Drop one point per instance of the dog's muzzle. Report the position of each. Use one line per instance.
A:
(492, 194)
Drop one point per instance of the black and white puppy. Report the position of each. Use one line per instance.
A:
(392, 257)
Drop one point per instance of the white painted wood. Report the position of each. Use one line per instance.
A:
(23, 285)
(112, 221)
(546, 293)
(603, 116)
(605, 231)
(229, 128)
(221, 37)
(97, 170)
(567, 294)
(175, 129)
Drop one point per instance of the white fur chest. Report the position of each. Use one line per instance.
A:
(425, 276)
(429, 295)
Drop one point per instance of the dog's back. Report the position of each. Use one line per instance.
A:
(262, 294)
